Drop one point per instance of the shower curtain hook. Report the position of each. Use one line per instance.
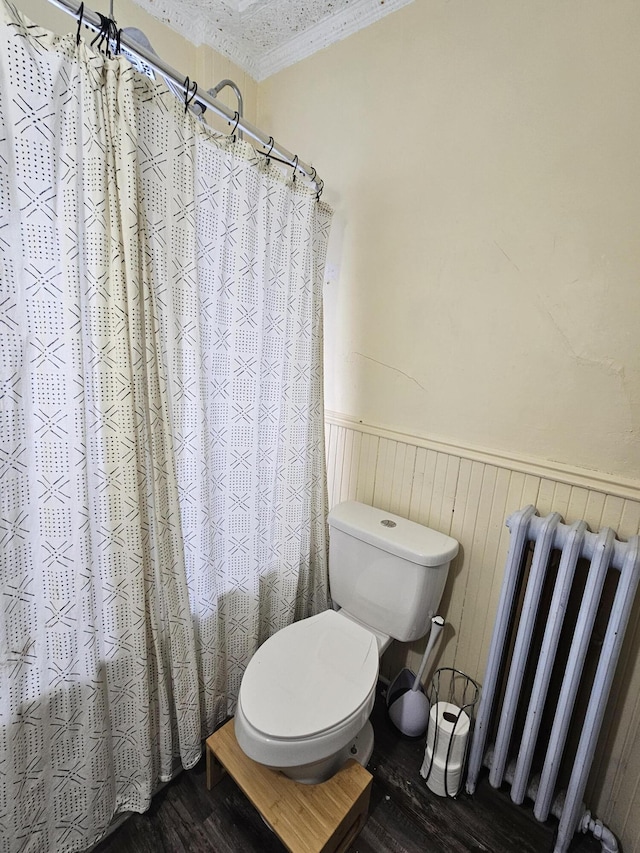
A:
(295, 167)
(235, 127)
(272, 141)
(188, 94)
(320, 188)
(80, 16)
(104, 34)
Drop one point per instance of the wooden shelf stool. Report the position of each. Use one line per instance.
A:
(323, 818)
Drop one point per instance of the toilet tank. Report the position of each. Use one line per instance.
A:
(385, 570)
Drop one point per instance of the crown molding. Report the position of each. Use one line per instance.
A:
(228, 29)
(344, 22)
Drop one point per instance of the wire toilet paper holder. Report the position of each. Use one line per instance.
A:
(458, 689)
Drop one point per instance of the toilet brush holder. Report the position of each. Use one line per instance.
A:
(408, 709)
(407, 702)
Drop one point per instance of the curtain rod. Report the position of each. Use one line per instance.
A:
(92, 20)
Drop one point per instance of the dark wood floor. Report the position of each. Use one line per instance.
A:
(404, 816)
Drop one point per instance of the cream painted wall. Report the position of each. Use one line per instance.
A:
(200, 63)
(483, 162)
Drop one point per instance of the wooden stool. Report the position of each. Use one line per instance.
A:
(323, 818)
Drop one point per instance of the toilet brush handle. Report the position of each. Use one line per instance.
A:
(437, 624)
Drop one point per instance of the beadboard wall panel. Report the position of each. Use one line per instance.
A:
(469, 495)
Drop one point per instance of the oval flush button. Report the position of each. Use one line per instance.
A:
(386, 522)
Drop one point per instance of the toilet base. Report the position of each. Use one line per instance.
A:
(362, 747)
(324, 818)
(359, 749)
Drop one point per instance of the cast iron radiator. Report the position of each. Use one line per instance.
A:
(528, 578)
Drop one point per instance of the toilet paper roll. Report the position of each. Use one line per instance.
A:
(447, 735)
(440, 782)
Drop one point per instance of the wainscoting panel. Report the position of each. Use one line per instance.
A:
(468, 494)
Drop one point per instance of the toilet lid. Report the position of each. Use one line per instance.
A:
(309, 677)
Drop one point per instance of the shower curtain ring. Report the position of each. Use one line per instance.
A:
(295, 167)
(80, 16)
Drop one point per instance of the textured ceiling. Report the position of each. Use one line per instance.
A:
(264, 36)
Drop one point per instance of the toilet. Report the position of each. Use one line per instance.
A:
(307, 693)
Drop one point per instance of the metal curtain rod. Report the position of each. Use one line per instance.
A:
(277, 152)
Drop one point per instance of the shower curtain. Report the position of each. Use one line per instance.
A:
(162, 500)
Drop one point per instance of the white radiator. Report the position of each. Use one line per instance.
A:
(604, 552)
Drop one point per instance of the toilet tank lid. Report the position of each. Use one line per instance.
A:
(394, 534)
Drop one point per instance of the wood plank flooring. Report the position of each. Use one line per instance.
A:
(404, 817)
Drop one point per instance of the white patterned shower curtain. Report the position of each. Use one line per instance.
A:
(162, 500)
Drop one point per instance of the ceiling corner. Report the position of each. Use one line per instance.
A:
(266, 36)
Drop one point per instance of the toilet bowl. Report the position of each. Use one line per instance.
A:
(306, 697)
(308, 691)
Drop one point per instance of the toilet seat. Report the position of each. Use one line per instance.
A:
(310, 678)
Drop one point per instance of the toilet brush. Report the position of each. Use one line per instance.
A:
(407, 703)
